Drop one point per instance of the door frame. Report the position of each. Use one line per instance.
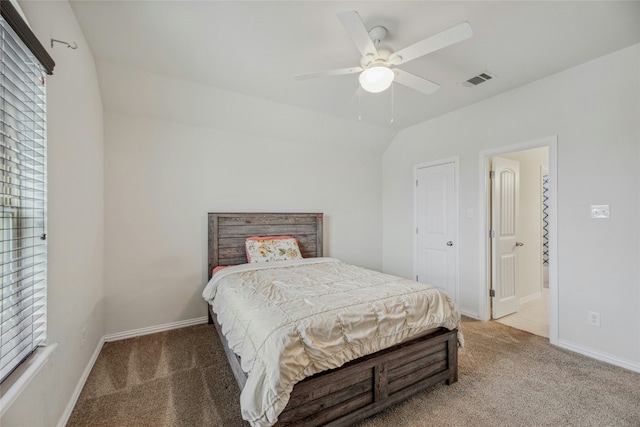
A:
(485, 220)
(456, 203)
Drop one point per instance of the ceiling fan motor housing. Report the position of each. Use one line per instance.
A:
(377, 34)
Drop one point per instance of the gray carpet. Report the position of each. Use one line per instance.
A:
(507, 378)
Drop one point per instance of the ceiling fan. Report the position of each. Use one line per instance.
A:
(378, 65)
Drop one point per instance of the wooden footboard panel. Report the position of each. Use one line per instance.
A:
(370, 384)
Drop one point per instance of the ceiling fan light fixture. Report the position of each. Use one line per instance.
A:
(376, 79)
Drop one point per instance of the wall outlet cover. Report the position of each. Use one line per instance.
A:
(593, 318)
(600, 211)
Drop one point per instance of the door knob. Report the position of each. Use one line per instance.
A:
(449, 243)
(519, 244)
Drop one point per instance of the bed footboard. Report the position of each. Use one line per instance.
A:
(368, 385)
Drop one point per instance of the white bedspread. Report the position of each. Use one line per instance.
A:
(288, 320)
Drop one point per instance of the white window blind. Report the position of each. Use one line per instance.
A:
(23, 202)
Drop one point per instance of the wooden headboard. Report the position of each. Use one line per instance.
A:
(228, 231)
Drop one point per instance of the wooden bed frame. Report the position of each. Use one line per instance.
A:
(360, 388)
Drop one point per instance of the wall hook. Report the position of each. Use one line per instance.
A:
(74, 46)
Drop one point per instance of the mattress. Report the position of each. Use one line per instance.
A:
(288, 320)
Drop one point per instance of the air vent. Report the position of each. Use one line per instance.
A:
(479, 79)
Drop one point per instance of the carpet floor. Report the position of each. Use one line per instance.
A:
(507, 377)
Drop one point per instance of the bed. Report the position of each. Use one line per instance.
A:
(359, 388)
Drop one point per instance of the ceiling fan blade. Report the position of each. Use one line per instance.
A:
(438, 41)
(339, 72)
(414, 82)
(358, 32)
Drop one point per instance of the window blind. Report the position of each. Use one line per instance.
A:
(23, 201)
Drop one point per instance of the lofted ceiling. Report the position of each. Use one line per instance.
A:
(256, 47)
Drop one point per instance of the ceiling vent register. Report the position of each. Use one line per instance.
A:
(477, 80)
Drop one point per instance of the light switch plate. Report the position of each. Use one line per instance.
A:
(599, 211)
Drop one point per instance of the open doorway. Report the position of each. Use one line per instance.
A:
(522, 177)
(521, 263)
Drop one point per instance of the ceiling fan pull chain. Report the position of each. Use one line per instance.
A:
(392, 99)
(359, 103)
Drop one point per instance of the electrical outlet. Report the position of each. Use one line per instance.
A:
(600, 211)
(594, 319)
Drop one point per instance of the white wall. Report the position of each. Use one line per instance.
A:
(594, 109)
(529, 279)
(75, 218)
(165, 169)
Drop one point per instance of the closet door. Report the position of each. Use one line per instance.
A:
(437, 227)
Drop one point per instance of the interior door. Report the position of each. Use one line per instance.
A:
(504, 245)
(436, 227)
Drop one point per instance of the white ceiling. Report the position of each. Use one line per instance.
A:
(256, 47)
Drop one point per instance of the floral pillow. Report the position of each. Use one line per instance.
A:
(272, 248)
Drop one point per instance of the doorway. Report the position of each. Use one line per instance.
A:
(524, 172)
(530, 256)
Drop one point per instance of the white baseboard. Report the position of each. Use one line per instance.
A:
(115, 337)
(154, 329)
(470, 314)
(530, 298)
(83, 379)
(603, 357)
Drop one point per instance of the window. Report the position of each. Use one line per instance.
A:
(23, 254)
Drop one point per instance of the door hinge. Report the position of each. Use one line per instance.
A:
(416, 230)
(492, 174)
(492, 234)
(416, 277)
(492, 292)
(416, 182)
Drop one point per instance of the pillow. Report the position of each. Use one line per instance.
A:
(272, 248)
(218, 268)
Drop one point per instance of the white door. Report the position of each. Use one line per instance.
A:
(436, 227)
(504, 248)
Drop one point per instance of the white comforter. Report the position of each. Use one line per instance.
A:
(288, 320)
